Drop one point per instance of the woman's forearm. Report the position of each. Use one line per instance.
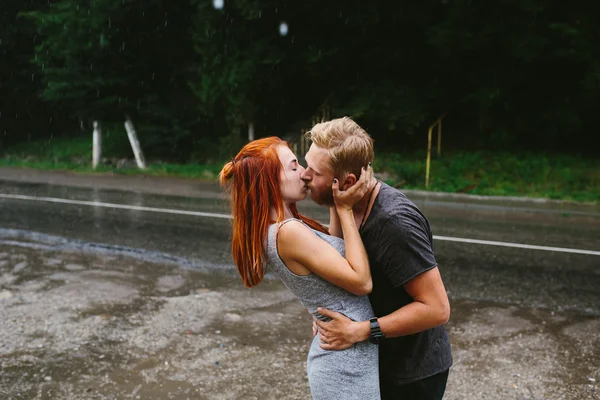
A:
(335, 229)
(356, 254)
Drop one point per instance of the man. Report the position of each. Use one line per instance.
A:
(408, 297)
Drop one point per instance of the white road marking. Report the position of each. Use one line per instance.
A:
(114, 205)
(226, 216)
(517, 245)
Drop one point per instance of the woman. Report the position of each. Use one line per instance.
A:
(320, 269)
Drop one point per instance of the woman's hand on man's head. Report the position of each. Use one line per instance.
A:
(346, 199)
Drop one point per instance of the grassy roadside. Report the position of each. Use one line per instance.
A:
(560, 177)
(195, 171)
(552, 176)
(76, 154)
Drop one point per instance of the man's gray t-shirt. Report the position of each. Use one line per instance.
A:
(398, 240)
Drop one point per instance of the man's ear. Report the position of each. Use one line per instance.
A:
(348, 182)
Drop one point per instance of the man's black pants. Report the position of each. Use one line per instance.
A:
(431, 388)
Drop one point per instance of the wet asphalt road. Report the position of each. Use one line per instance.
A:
(556, 280)
(525, 322)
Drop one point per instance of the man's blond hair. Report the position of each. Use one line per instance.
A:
(350, 147)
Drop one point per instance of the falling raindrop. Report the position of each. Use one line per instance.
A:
(109, 22)
(32, 76)
(283, 29)
(218, 4)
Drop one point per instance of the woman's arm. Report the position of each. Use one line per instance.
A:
(296, 243)
(335, 229)
(302, 250)
(348, 198)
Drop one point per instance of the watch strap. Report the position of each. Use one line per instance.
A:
(376, 334)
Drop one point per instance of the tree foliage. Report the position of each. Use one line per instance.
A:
(508, 74)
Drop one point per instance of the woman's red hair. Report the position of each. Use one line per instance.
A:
(253, 177)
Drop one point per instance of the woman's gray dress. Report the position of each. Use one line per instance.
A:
(347, 374)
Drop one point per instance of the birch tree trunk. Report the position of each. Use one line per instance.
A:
(135, 144)
(97, 145)
(251, 131)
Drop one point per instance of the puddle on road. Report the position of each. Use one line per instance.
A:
(80, 324)
(514, 352)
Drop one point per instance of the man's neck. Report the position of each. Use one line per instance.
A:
(362, 207)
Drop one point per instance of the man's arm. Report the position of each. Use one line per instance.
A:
(406, 259)
(430, 308)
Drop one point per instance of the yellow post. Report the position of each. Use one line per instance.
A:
(428, 156)
(438, 122)
(440, 136)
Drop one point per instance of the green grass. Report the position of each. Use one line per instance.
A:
(75, 154)
(195, 171)
(551, 176)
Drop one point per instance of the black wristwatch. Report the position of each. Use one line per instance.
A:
(376, 334)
